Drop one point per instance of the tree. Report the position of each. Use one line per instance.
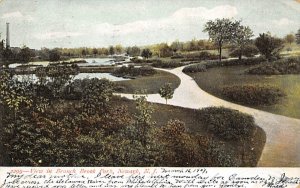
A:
(25, 54)
(166, 91)
(133, 51)
(290, 38)
(176, 46)
(249, 51)
(221, 31)
(54, 55)
(119, 49)
(164, 50)
(146, 53)
(268, 45)
(241, 39)
(298, 37)
(111, 50)
(95, 51)
(83, 52)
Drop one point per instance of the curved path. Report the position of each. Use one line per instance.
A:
(282, 148)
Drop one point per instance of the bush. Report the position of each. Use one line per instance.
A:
(282, 66)
(204, 55)
(248, 51)
(195, 68)
(226, 123)
(203, 66)
(131, 71)
(253, 94)
(167, 64)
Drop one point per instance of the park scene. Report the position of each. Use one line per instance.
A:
(149, 84)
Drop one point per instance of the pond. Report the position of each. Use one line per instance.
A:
(78, 76)
(90, 62)
(214, 79)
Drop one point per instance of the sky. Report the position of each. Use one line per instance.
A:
(100, 23)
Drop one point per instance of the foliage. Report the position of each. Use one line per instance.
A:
(118, 49)
(226, 123)
(146, 53)
(281, 66)
(37, 130)
(143, 117)
(194, 68)
(163, 50)
(253, 94)
(25, 54)
(203, 55)
(166, 91)
(111, 50)
(241, 39)
(166, 64)
(298, 37)
(133, 51)
(203, 66)
(96, 95)
(221, 31)
(248, 51)
(289, 38)
(268, 45)
(176, 46)
(54, 55)
(58, 75)
(131, 71)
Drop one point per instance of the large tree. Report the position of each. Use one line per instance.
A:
(25, 54)
(146, 53)
(221, 31)
(298, 37)
(54, 55)
(268, 45)
(290, 38)
(241, 38)
(111, 50)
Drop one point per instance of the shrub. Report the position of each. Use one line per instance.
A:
(248, 51)
(226, 123)
(195, 68)
(203, 66)
(131, 71)
(253, 94)
(167, 64)
(204, 55)
(282, 66)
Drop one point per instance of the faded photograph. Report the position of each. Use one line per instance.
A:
(163, 83)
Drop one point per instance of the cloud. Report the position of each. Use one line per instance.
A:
(225, 11)
(184, 17)
(283, 22)
(17, 15)
(56, 35)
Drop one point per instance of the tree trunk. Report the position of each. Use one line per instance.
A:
(220, 51)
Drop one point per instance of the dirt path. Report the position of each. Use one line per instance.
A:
(282, 148)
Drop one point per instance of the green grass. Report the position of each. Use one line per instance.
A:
(195, 124)
(214, 79)
(151, 84)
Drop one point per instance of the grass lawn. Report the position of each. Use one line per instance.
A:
(151, 84)
(163, 113)
(214, 79)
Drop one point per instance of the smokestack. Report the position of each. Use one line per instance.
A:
(7, 36)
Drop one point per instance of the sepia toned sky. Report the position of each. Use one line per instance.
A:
(99, 23)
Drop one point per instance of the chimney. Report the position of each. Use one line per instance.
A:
(7, 36)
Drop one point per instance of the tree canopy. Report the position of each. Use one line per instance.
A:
(268, 45)
(221, 31)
